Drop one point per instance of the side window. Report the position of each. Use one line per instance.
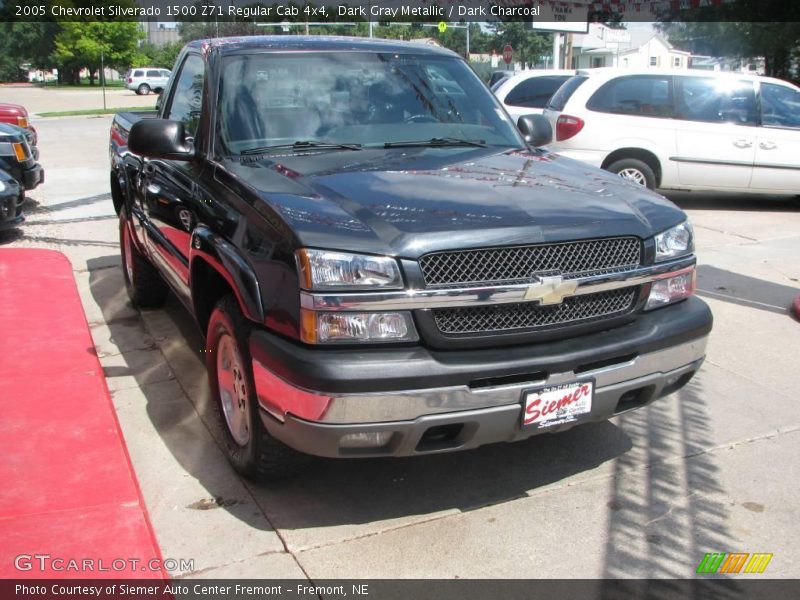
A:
(187, 96)
(780, 106)
(534, 92)
(715, 100)
(138, 73)
(165, 74)
(641, 95)
(153, 73)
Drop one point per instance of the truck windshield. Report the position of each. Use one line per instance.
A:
(355, 98)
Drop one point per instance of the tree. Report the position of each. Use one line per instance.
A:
(728, 30)
(81, 45)
(25, 43)
(163, 56)
(528, 45)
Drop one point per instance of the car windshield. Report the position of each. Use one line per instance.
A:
(355, 98)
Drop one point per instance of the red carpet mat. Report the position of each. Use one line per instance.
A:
(70, 505)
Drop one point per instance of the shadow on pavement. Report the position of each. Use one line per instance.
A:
(738, 202)
(751, 292)
(336, 492)
(662, 520)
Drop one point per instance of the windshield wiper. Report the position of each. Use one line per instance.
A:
(437, 141)
(303, 145)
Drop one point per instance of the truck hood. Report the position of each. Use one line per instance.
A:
(407, 202)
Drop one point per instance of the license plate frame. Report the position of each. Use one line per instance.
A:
(572, 410)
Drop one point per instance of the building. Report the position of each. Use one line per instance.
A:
(638, 48)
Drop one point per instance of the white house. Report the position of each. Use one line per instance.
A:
(638, 48)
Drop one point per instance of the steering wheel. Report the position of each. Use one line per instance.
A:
(421, 118)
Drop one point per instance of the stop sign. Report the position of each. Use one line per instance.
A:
(508, 52)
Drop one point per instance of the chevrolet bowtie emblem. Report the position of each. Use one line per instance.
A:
(550, 290)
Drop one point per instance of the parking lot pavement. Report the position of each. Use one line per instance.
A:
(50, 99)
(709, 469)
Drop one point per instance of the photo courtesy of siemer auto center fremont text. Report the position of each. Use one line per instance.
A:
(400, 299)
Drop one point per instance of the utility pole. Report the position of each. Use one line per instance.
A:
(103, 76)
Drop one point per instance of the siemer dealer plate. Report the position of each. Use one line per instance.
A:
(557, 404)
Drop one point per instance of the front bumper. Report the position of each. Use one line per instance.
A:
(426, 401)
(33, 176)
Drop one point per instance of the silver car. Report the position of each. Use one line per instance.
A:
(146, 79)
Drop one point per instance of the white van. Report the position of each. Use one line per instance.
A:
(146, 79)
(689, 130)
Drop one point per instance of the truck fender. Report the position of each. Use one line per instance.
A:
(224, 258)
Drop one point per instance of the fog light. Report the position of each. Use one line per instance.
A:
(667, 291)
(372, 439)
(332, 327)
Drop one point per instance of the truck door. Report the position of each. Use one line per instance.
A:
(169, 185)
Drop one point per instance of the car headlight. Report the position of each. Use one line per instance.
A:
(2, 187)
(671, 289)
(675, 242)
(327, 270)
(356, 327)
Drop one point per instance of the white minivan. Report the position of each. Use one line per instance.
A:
(146, 79)
(687, 130)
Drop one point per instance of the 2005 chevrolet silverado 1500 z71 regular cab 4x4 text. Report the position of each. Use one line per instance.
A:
(383, 264)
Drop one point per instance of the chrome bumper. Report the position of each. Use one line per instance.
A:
(316, 422)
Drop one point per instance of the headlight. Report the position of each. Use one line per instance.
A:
(672, 289)
(355, 327)
(2, 187)
(325, 270)
(675, 242)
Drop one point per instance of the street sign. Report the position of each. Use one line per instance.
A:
(508, 53)
(442, 26)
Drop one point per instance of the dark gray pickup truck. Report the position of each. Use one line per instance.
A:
(384, 264)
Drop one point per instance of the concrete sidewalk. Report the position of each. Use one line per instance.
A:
(709, 469)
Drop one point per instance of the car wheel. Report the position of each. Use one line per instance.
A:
(142, 281)
(635, 171)
(21, 198)
(143, 89)
(251, 450)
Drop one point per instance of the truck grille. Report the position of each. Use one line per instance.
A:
(530, 315)
(521, 264)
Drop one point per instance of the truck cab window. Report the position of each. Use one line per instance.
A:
(187, 98)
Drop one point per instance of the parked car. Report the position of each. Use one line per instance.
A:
(10, 211)
(383, 266)
(143, 80)
(18, 159)
(497, 76)
(16, 114)
(682, 129)
(527, 92)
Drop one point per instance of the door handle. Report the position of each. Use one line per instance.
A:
(767, 145)
(743, 143)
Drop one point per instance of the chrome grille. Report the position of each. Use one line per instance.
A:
(531, 315)
(520, 264)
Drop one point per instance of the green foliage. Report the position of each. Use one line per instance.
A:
(164, 56)
(528, 45)
(728, 31)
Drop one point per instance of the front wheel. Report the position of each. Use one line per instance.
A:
(143, 89)
(635, 171)
(251, 450)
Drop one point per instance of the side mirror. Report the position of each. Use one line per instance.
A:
(160, 138)
(535, 129)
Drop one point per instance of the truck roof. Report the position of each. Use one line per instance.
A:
(282, 43)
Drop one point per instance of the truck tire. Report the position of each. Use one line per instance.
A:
(143, 89)
(634, 170)
(143, 283)
(251, 450)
